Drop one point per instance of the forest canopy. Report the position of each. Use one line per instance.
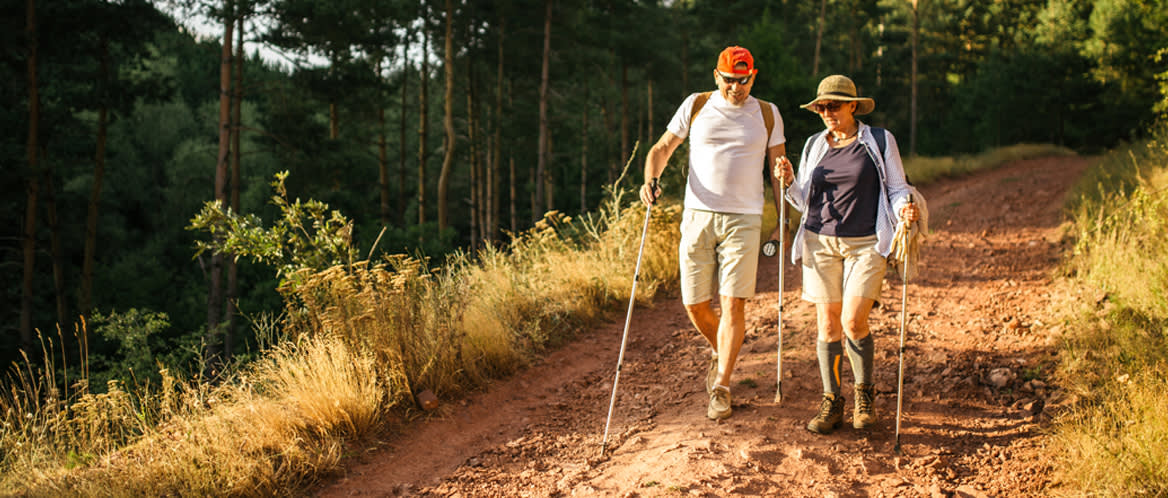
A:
(435, 126)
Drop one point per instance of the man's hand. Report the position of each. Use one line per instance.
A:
(783, 171)
(650, 191)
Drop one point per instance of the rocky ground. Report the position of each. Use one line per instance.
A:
(980, 349)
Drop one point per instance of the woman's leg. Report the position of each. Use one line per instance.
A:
(861, 351)
(829, 349)
(828, 346)
(854, 321)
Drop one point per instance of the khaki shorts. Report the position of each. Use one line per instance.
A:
(722, 246)
(834, 267)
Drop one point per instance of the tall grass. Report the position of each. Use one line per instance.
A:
(362, 341)
(1114, 441)
(924, 170)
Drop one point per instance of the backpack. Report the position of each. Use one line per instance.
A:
(915, 195)
(768, 120)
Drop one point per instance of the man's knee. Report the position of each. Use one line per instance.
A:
(698, 309)
(733, 303)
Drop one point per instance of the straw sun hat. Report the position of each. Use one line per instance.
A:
(840, 87)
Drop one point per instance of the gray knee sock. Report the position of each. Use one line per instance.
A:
(860, 354)
(830, 354)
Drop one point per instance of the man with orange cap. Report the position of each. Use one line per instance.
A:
(732, 137)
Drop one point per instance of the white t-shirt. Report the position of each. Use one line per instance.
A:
(727, 151)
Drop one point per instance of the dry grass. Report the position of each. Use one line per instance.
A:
(1114, 439)
(274, 428)
(924, 170)
(364, 340)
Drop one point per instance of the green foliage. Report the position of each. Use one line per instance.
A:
(306, 236)
(1162, 106)
(131, 331)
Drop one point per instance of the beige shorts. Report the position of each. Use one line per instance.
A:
(721, 246)
(834, 267)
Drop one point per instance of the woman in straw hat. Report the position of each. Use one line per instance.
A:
(850, 187)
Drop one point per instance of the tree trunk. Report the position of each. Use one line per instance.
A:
(55, 243)
(401, 170)
(624, 113)
(684, 64)
(31, 191)
(511, 170)
(85, 301)
(640, 127)
(382, 155)
(649, 111)
(541, 163)
(912, 137)
(232, 305)
(497, 150)
(818, 37)
(212, 347)
(549, 179)
(514, 193)
(606, 117)
(476, 198)
(536, 182)
(334, 124)
(447, 118)
(584, 156)
(423, 124)
(856, 60)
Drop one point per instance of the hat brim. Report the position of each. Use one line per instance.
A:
(735, 74)
(864, 105)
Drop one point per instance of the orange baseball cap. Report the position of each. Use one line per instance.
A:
(733, 56)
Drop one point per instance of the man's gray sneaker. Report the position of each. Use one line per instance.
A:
(719, 403)
(831, 415)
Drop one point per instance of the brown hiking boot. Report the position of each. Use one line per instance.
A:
(831, 415)
(712, 374)
(719, 403)
(864, 412)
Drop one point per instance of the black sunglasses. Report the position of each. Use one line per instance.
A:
(730, 80)
(831, 106)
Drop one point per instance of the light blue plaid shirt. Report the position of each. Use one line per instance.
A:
(894, 190)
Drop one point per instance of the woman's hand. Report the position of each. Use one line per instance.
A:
(910, 213)
(783, 171)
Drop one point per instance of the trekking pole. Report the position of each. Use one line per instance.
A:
(628, 318)
(782, 243)
(903, 314)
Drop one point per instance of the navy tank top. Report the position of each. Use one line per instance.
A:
(845, 193)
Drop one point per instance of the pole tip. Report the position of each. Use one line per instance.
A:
(779, 394)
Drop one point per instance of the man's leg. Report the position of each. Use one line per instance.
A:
(731, 332)
(704, 318)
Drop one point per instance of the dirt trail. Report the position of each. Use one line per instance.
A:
(976, 392)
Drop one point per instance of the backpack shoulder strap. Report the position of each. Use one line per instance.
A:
(881, 139)
(768, 119)
(699, 102)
